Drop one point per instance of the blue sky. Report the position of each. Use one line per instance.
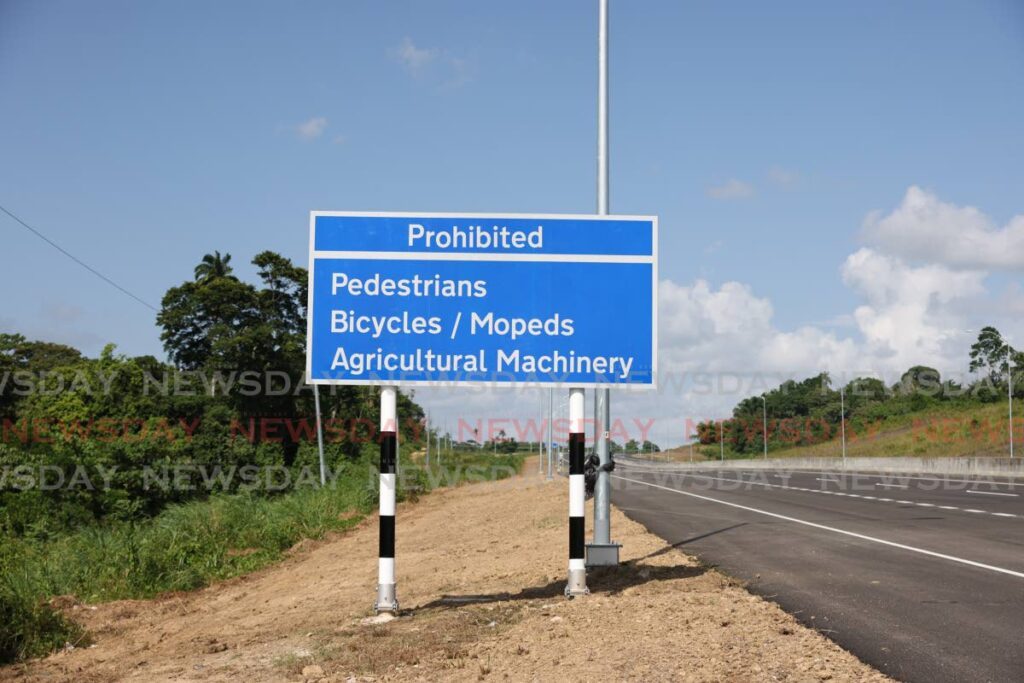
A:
(141, 135)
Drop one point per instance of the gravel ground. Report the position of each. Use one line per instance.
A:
(481, 570)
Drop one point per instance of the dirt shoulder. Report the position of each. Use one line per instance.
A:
(481, 570)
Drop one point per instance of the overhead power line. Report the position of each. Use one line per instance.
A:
(77, 260)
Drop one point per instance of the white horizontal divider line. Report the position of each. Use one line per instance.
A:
(569, 217)
(863, 537)
(480, 256)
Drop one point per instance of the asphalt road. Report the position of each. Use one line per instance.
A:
(920, 577)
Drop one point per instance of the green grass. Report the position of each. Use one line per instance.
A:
(950, 430)
(189, 545)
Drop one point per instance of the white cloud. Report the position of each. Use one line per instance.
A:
(415, 58)
(435, 66)
(909, 311)
(782, 177)
(732, 189)
(731, 330)
(924, 228)
(311, 129)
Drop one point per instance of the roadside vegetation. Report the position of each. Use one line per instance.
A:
(189, 545)
(127, 477)
(921, 414)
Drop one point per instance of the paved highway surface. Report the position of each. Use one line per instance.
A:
(920, 576)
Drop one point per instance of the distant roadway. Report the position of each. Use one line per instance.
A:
(918, 575)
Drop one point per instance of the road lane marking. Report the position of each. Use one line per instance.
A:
(894, 486)
(685, 473)
(980, 479)
(896, 475)
(993, 493)
(864, 537)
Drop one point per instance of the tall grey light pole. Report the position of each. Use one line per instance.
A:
(764, 407)
(602, 552)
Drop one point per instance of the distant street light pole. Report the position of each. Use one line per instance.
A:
(842, 419)
(1009, 389)
(764, 408)
(551, 439)
(721, 437)
(540, 452)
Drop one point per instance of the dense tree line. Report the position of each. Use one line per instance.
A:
(809, 411)
(232, 396)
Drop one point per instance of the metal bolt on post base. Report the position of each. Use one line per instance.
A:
(387, 601)
(577, 584)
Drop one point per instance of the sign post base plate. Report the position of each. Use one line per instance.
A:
(603, 554)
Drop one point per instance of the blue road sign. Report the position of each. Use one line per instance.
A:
(471, 299)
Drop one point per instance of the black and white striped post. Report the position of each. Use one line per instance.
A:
(577, 584)
(387, 600)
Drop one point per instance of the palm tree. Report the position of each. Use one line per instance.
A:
(213, 266)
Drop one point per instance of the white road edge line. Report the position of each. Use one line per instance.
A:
(993, 493)
(892, 544)
(981, 479)
(683, 473)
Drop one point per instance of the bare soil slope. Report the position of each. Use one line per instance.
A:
(481, 570)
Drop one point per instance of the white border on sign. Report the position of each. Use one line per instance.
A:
(485, 256)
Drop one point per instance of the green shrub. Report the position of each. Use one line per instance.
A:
(28, 626)
(188, 545)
